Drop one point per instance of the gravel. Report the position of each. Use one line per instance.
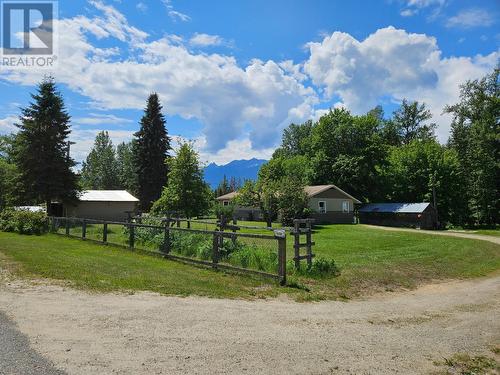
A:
(16, 355)
(145, 333)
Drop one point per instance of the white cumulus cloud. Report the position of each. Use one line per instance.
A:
(392, 63)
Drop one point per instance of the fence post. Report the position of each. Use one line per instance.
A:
(309, 244)
(281, 236)
(104, 232)
(53, 229)
(131, 238)
(67, 226)
(296, 246)
(166, 239)
(215, 250)
(84, 229)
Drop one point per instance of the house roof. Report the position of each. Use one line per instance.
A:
(227, 196)
(107, 196)
(400, 208)
(311, 191)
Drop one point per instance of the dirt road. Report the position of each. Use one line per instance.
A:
(472, 236)
(84, 333)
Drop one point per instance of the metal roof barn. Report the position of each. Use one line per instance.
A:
(414, 215)
(110, 205)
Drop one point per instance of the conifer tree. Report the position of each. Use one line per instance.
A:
(223, 187)
(151, 147)
(186, 191)
(42, 148)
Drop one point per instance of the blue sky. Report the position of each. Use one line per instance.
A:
(232, 74)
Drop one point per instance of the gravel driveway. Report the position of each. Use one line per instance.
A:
(16, 355)
(144, 333)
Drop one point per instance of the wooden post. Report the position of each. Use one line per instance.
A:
(296, 245)
(215, 250)
(233, 237)
(309, 244)
(178, 222)
(281, 236)
(53, 224)
(189, 224)
(105, 232)
(131, 238)
(84, 229)
(67, 226)
(166, 239)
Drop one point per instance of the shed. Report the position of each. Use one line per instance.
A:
(111, 205)
(413, 215)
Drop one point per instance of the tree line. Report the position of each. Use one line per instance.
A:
(394, 159)
(36, 167)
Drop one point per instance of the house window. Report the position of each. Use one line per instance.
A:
(225, 203)
(345, 206)
(322, 207)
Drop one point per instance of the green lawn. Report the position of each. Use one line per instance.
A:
(488, 232)
(106, 268)
(370, 260)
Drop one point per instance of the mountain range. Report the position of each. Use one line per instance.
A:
(239, 169)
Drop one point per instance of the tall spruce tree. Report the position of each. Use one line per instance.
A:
(151, 147)
(42, 148)
(100, 169)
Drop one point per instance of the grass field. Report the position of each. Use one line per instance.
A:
(370, 259)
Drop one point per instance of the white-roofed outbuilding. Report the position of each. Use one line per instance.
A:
(110, 205)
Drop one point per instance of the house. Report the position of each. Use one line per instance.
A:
(331, 205)
(328, 204)
(111, 205)
(413, 215)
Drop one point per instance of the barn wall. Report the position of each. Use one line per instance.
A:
(426, 220)
(111, 211)
(333, 218)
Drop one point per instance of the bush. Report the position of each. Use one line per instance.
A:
(224, 211)
(320, 267)
(251, 256)
(23, 221)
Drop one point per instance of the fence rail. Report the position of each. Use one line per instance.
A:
(257, 254)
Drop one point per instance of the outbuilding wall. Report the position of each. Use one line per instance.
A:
(111, 211)
(424, 220)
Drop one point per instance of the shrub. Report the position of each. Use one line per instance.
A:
(320, 267)
(23, 221)
(251, 256)
(224, 211)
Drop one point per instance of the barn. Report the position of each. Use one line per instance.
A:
(111, 205)
(412, 215)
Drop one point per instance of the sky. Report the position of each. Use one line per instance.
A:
(232, 74)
